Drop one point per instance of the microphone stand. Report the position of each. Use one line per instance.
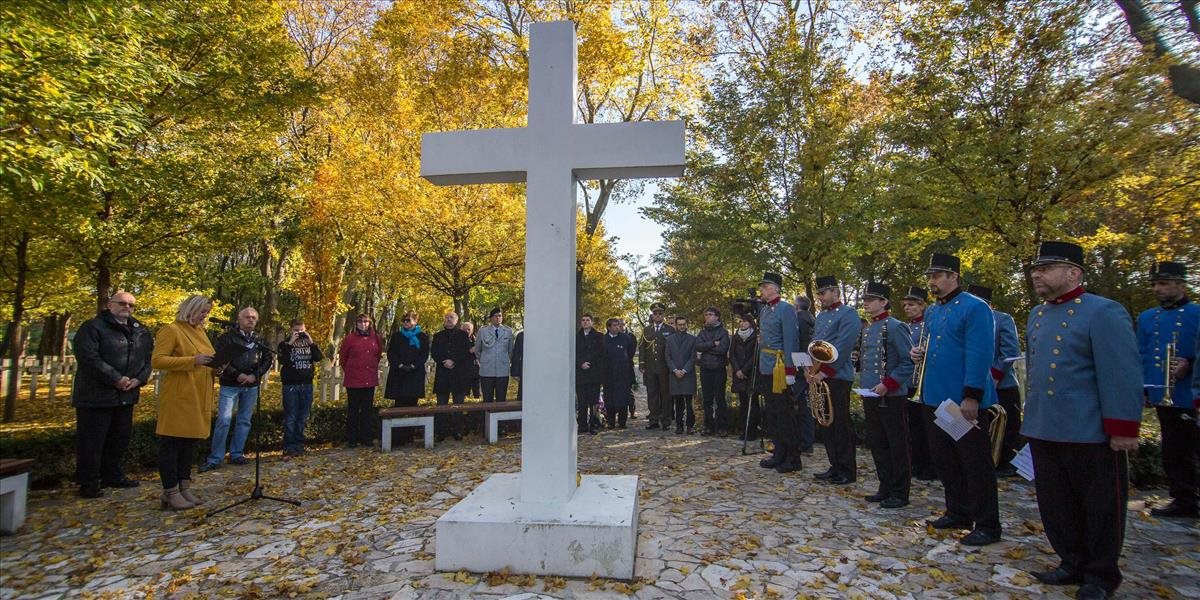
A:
(257, 492)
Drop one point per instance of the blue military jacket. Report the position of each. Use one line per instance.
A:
(884, 357)
(1196, 375)
(777, 331)
(1156, 328)
(1083, 371)
(962, 344)
(1007, 346)
(839, 325)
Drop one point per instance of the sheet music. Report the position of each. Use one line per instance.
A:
(949, 418)
(1023, 462)
(865, 393)
(1014, 358)
(801, 359)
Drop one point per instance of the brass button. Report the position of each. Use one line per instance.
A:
(1058, 337)
(1056, 351)
(1078, 301)
(1070, 311)
(1053, 365)
(1051, 380)
(1050, 392)
(1064, 323)
(1040, 313)
(1036, 325)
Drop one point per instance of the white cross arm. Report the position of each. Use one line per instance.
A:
(479, 156)
(628, 150)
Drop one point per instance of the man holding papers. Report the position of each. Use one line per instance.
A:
(962, 341)
(886, 369)
(1083, 407)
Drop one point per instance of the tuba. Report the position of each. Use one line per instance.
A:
(819, 399)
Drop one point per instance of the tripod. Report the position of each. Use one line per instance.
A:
(257, 492)
(755, 407)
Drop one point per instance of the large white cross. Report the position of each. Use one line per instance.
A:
(549, 156)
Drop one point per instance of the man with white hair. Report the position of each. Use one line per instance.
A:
(240, 378)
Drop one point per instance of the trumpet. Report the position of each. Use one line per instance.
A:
(1170, 365)
(919, 370)
(820, 401)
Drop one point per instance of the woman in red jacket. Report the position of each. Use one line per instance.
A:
(359, 355)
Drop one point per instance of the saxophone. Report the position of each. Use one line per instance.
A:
(820, 401)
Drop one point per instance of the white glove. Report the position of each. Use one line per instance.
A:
(791, 379)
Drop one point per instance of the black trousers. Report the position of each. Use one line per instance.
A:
(175, 456)
(586, 398)
(495, 389)
(520, 388)
(1181, 453)
(451, 423)
(887, 437)
(658, 397)
(683, 407)
(967, 473)
(918, 445)
(1082, 491)
(712, 389)
(360, 415)
(1010, 401)
(617, 417)
(102, 436)
(780, 418)
(748, 413)
(839, 436)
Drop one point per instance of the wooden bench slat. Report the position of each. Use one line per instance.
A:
(15, 466)
(417, 411)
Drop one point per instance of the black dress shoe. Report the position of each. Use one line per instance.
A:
(771, 461)
(124, 482)
(1059, 576)
(1175, 510)
(652, 426)
(1091, 591)
(979, 537)
(893, 502)
(839, 480)
(90, 491)
(877, 497)
(788, 466)
(679, 430)
(948, 522)
(826, 474)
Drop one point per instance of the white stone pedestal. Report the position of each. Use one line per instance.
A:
(595, 532)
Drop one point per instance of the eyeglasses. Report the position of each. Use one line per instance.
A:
(123, 303)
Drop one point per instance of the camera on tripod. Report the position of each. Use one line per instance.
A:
(748, 306)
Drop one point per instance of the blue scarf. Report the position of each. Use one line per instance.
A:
(411, 335)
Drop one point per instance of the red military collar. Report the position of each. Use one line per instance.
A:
(775, 301)
(879, 317)
(834, 306)
(919, 319)
(1067, 297)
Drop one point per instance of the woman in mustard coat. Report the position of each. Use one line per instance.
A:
(185, 400)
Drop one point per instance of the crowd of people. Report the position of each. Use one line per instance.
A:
(1089, 373)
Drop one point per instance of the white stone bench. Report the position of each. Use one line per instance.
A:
(493, 423)
(14, 490)
(422, 416)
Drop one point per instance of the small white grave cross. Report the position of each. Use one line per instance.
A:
(550, 155)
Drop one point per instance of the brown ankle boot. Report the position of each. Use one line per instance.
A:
(185, 491)
(173, 500)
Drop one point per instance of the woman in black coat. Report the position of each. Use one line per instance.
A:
(407, 352)
(743, 361)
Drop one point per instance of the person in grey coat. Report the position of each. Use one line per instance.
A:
(681, 369)
(493, 350)
(712, 343)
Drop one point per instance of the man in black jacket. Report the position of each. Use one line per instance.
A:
(451, 351)
(589, 375)
(298, 359)
(712, 344)
(240, 378)
(805, 322)
(112, 351)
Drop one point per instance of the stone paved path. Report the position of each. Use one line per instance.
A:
(713, 525)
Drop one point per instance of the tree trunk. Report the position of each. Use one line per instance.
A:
(1185, 79)
(12, 334)
(103, 279)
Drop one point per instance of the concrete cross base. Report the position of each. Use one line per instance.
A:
(595, 532)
